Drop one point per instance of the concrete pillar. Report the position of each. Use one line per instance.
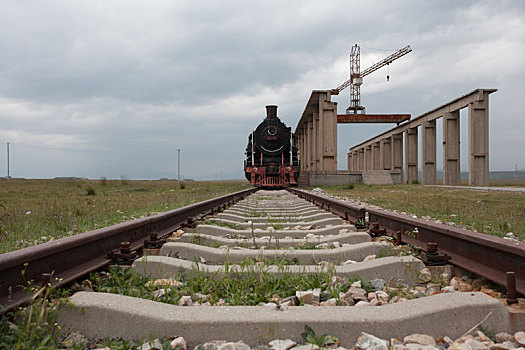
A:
(328, 129)
(317, 137)
(310, 145)
(411, 155)
(302, 152)
(361, 158)
(428, 143)
(385, 149)
(451, 150)
(368, 158)
(376, 156)
(397, 153)
(355, 160)
(478, 142)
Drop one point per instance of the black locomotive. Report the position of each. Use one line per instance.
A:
(271, 155)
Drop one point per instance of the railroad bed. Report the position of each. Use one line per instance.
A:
(273, 263)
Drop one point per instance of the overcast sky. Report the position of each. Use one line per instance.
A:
(114, 88)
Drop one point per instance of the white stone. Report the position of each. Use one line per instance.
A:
(374, 302)
(356, 284)
(503, 336)
(240, 345)
(154, 345)
(305, 296)
(459, 346)
(180, 342)
(279, 344)
(448, 289)
(329, 302)
(476, 345)
(370, 257)
(414, 346)
(159, 293)
(422, 339)
(306, 347)
(366, 341)
(363, 303)
(185, 301)
(382, 296)
(213, 345)
(519, 337)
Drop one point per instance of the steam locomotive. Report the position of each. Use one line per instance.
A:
(271, 155)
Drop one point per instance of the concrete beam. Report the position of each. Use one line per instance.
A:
(428, 145)
(460, 102)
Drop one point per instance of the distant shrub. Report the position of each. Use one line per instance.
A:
(182, 186)
(415, 182)
(349, 187)
(90, 191)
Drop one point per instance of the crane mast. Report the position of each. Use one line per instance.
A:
(356, 77)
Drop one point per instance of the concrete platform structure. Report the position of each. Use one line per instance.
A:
(388, 146)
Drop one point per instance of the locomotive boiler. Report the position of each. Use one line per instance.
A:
(271, 155)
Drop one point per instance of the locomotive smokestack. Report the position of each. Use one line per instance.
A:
(271, 112)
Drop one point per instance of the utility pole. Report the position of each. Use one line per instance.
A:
(178, 163)
(8, 169)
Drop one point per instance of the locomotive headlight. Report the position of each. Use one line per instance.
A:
(272, 130)
(255, 169)
(288, 168)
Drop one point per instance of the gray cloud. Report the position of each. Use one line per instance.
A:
(111, 89)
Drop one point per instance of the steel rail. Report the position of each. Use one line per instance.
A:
(72, 257)
(352, 213)
(488, 256)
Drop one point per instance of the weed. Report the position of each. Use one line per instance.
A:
(90, 191)
(222, 224)
(349, 187)
(182, 186)
(245, 283)
(488, 332)
(415, 182)
(322, 341)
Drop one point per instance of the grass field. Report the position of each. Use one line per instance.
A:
(492, 212)
(37, 211)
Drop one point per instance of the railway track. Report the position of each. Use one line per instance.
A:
(343, 281)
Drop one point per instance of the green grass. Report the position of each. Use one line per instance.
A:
(490, 212)
(38, 211)
(253, 287)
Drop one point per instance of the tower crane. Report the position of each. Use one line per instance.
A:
(356, 77)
